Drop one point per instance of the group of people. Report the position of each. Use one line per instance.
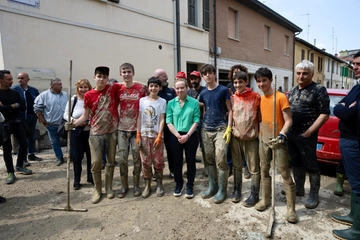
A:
(147, 118)
(17, 108)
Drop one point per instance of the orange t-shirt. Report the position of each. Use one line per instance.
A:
(267, 109)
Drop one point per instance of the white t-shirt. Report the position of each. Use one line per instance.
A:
(150, 111)
(78, 110)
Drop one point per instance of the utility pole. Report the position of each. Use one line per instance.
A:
(332, 40)
(308, 30)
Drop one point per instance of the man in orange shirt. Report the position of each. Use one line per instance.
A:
(263, 78)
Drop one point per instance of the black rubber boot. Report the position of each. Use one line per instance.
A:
(236, 196)
(299, 178)
(254, 196)
(313, 199)
(347, 219)
(213, 183)
(352, 233)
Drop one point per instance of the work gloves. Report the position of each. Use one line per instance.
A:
(278, 142)
(158, 140)
(227, 135)
(138, 139)
(69, 126)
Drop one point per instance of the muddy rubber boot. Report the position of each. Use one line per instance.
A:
(265, 194)
(124, 186)
(299, 178)
(347, 219)
(136, 189)
(147, 189)
(247, 174)
(352, 233)
(136, 179)
(223, 181)
(97, 188)
(236, 196)
(109, 175)
(213, 183)
(313, 199)
(338, 190)
(254, 196)
(159, 187)
(291, 215)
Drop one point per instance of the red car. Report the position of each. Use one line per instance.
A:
(328, 150)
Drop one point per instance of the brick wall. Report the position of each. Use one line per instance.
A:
(250, 47)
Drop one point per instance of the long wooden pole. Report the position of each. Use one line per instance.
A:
(68, 207)
(272, 210)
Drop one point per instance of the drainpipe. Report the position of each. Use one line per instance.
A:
(214, 35)
(293, 68)
(177, 50)
(178, 36)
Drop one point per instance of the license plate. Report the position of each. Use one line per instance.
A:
(319, 146)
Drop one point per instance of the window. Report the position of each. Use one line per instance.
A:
(267, 37)
(312, 57)
(206, 15)
(233, 24)
(35, 3)
(192, 8)
(337, 68)
(320, 67)
(328, 68)
(287, 45)
(199, 18)
(302, 54)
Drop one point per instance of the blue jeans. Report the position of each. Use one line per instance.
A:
(190, 152)
(31, 121)
(55, 140)
(351, 158)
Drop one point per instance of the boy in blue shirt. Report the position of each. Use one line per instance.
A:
(215, 128)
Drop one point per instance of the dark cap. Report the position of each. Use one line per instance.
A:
(102, 70)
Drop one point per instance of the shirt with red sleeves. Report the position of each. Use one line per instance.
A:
(103, 106)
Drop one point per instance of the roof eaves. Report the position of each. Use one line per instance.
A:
(267, 12)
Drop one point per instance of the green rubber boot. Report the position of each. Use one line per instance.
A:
(352, 233)
(223, 181)
(347, 219)
(213, 183)
(338, 190)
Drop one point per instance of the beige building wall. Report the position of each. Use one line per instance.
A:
(318, 71)
(43, 40)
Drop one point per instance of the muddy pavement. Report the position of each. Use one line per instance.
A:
(27, 213)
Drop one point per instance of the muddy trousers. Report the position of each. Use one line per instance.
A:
(97, 144)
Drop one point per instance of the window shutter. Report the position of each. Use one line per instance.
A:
(206, 15)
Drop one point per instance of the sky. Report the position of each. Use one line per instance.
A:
(332, 22)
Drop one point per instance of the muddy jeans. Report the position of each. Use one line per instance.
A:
(215, 148)
(127, 140)
(281, 160)
(97, 145)
(150, 155)
(249, 150)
